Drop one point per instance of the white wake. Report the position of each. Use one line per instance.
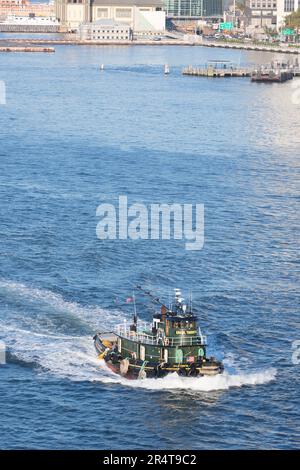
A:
(74, 357)
(92, 315)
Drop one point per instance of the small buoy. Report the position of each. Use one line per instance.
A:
(167, 69)
(102, 67)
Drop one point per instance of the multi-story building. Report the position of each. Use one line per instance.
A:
(104, 30)
(71, 13)
(25, 8)
(285, 8)
(140, 15)
(261, 14)
(190, 9)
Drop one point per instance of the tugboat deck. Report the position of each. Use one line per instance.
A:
(144, 335)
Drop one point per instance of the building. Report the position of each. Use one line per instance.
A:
(139, 15)
(190, 9)
(285, 8)
(261, 14)
(31, 21)
(104, 30)
(26, 8)
(71, 13)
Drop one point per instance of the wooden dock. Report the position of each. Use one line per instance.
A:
(270, 73)
(26, 49)
(216, 72)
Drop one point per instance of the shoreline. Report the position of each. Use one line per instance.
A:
(35, 49)
(8, 42)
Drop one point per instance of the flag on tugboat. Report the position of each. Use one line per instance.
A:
(129, 299)
(190, 359)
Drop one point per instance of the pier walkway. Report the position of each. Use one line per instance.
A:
(162, 42)
(211, 71)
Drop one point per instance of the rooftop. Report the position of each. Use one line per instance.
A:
(129, 3)
(106, 23)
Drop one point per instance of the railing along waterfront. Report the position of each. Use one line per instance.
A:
(211, 71)
(142, 335)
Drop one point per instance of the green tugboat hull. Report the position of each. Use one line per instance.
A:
(106, 347)
(134, 370)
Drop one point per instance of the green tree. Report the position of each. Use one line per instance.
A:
(293, 20)
(241, 5)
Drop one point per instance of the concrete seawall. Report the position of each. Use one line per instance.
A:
(26, 28)
(26, 49)
(253, 47)
(163, 42)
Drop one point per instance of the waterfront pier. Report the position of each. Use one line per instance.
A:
(217, 69)
(26, 49)
(72, 40)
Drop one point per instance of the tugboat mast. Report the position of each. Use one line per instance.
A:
(191, 300)
(152, 297)
(134, 307)
(179, 306)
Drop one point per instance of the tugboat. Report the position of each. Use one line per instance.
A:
(272, 75)
(173, 342)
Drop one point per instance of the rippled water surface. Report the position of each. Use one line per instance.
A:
(72, 137)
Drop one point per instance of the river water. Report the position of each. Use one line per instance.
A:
(73, 137)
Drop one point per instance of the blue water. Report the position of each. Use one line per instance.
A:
(72, 137)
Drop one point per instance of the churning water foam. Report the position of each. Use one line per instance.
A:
(93, 315)
(74, 358)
